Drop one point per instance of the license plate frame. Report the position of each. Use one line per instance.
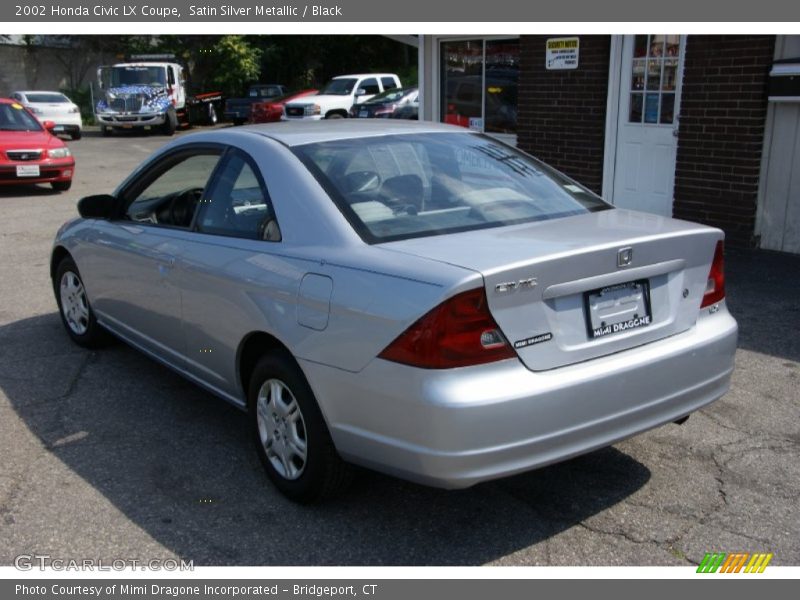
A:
(28, 171)
(618, 308)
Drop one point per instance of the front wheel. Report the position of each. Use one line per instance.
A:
(170, 123)
(291, 437)
(73, 306)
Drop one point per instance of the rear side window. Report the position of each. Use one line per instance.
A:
(370, 86)
(402, 186)
(388, 83)
(237, 204)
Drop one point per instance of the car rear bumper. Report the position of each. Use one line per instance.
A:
(67, 123)
(66, 128)
(455, 428)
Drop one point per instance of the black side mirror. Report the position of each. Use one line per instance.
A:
(99, 206)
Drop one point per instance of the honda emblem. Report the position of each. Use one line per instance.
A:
(624, 257)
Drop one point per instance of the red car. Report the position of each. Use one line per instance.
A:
(29, 152)
(269, 112)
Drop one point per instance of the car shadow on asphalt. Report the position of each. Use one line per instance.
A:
(763, 289)
(177, 462)
(31, 189)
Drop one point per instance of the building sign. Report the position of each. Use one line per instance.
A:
(562, 53)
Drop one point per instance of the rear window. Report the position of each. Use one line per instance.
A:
(403, 186)
(370, 86)
(388, 83)
(54, 98)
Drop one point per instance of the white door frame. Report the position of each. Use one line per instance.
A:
(612, 109)
(612, 116)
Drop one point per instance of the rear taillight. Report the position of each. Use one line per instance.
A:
(459, 332)
(715, 286)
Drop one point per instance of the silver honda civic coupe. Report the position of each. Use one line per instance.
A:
(410, 297)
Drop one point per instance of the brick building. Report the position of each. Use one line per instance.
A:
(669, 124)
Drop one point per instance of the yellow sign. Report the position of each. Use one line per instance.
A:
(562, 53)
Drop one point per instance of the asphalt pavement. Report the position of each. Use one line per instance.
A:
(107, 455)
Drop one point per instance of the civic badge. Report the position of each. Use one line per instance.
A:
(624, 257)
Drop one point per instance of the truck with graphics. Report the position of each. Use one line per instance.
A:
(150, 92)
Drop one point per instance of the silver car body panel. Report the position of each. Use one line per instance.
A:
(456, 428)
(190, 299)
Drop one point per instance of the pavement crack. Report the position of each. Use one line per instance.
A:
(750, 434)
(720, 481)
(621, 534)
(72, 386)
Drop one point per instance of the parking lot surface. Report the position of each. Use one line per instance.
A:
(108, 455)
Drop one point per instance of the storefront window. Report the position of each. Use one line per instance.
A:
(479, 84)
(501, 77)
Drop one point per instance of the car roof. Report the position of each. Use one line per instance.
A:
(297, 133)
(365, 75)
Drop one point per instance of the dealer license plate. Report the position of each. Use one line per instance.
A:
(363, 114)
(618, 308)
(58, 128)
(27, 170)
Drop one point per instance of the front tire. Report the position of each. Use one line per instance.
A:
(334, 116)
(73, 306)
(76, 135)
(291, 437)
(170, 123)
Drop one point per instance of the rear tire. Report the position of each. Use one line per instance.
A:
(292, 439)
(61, 186)
(73, 306)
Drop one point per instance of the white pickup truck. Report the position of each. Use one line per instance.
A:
(339, 95)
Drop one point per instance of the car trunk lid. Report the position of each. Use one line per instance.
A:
(568, 290)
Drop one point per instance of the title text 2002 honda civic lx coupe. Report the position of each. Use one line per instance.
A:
(410, 297)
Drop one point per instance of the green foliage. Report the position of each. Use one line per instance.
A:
(237, 62)
(302, 61)
(83, 98)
